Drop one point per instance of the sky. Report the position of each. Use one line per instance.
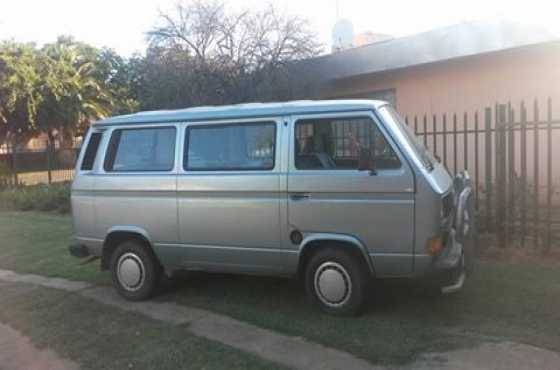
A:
(121, 24)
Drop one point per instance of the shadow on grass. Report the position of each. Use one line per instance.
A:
(385, 295)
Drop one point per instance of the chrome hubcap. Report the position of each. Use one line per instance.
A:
(332, 284)
(130, 271)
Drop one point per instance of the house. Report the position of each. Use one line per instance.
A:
(460, 68)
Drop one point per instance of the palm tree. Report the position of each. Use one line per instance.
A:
(71, 94)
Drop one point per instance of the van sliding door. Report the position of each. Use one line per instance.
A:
(229, 197)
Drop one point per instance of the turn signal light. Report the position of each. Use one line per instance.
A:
(434, 245)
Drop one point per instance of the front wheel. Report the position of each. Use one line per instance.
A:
(135, 271)
(337, 281)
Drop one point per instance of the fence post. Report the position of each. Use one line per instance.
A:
(49, 161)
(476, 169)
(455, 143)
(536, 172)
(501, 175)
(14, 163)
(434, 132)
(445, 141)
(465, 143)
(488, 165)
(510, 204)
(425, 131)
(549, 177)
(523, 155)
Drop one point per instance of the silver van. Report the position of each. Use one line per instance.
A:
(335, 192)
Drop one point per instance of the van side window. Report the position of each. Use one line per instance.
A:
(91, 151)
(336, 144)
(240, 146)
(141, 149)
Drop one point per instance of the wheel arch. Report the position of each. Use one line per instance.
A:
(313, 242)
(116, 235)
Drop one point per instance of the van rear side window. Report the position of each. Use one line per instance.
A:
(91, 151)
(141, 149)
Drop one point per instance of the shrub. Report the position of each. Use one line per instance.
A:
(54, 197)
(5, 176)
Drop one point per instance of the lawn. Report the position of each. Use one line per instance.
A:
(101, 337)
(503, 301)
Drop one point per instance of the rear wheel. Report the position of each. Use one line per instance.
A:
(135, 271)
(337, 281)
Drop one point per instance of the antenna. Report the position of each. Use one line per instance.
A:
(342, 35)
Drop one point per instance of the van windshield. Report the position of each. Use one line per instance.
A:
(389, 114)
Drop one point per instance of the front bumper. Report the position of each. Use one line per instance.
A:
(450, 265)
(448, 270)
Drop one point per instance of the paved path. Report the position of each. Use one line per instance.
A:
(17, 353)
(291, 351)
(491, 356)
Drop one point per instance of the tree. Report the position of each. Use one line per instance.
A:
(71, 95)
(119, 78)
(59, 89)
(225, 57)
(19, 96)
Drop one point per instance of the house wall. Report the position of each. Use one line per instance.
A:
(469, 85)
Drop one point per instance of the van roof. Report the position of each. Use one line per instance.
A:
(242, 111)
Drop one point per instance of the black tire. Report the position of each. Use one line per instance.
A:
(354, 269)
(135, 255)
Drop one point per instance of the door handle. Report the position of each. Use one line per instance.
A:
(299, 196)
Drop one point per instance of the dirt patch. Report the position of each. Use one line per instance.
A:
(17, 353)
(516, 253)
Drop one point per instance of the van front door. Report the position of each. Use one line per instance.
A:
(327, 193)
(229, 197)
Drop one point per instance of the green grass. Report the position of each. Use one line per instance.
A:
(38, 243)
(101, 337)
(503, 301)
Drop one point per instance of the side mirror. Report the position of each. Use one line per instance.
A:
(366, 162)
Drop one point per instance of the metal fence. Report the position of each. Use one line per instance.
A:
(23, 166)
(510, 156)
